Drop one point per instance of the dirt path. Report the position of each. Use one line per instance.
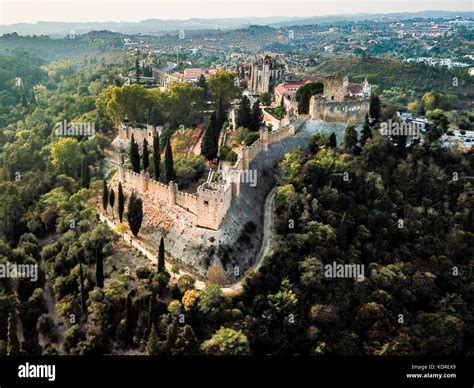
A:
(267, 240)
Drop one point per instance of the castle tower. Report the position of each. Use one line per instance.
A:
(144, 178)
(345, 85)
(172, 189)
(213, 202)
(264, 138)
(246, 158)
(121, 167)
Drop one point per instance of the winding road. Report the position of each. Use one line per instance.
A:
(267, 240)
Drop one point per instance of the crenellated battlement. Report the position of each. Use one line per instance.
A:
(212, 199)
(139, 131)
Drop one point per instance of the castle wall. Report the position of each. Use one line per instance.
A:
(187, 201)
(133, 178)
(212, 200)
(334, 89)
(320, 109)
(160, 190)
(125, 133)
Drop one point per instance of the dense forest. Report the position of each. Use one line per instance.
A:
(406, 217)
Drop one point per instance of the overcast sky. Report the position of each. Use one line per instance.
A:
(108, 10)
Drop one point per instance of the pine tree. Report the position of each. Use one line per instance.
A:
(374, 108)
(13, 346)
(161, 256)
(169, 164)
(332, 141)
(366, 131)
(112, 200)
(105, 196)
(121, 202)
(134, 155)
(85, 174)
(350, 139)
(146, 158)
(256, 117)
(99, 271)
(135, 213)
(245, 112)
(156, 156)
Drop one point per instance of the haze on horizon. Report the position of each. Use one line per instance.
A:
(24, 11)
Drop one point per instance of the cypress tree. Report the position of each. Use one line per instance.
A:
(350, 139)
(202, 83)
(121, 202)
(366, 131)
(161, 256)
(85, 174)
(209, 140)
(135, 213)
(13, 346)
(82, 290)
(221, 114)
(128, 317)
(112, 200)
(146, 159)
(99, 271)
(208, 144)
(256, 117)
(374, 108)
(105, 196)
(24, 101)
(169, 164)
(33, 97)
(137, 71)
(134, 155)
(150, 311)
(343, 232)
(332, 141)
(245, 112)
(156, 156)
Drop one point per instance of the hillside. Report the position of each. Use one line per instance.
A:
(386, 74)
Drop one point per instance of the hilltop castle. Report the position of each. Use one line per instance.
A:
(341, 100)
(210, 203)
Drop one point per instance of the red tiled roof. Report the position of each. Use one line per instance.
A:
(289, 87)
(355, 88)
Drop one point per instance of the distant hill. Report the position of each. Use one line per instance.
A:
(156, 26)
(386, 73)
